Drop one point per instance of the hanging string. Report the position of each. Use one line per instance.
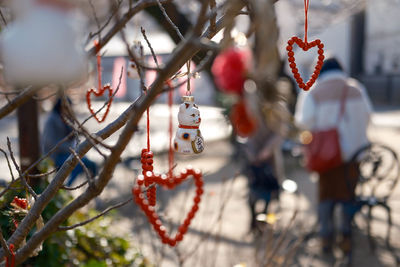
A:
(188, 78)
(12, 264)
(171, 150)
(97, 46)
(306, 4)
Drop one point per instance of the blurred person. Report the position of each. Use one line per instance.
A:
(56, 129)
(262, 162)
(319, 109)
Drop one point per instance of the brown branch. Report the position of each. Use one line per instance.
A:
(116, 206)
(149, 46)
(4, 245)
(139, 6)
(100, 29)
(8, 163)
(22, 176)
(170, 21)
(213, 18)
(74, 188)
(20, 99)
(85, 169)
(41, 174)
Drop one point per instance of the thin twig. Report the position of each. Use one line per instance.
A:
(45, 97)
(169, 20)
(41, 174)
(116, 206)
(89, 176)
(17, 101)
(213, 18)
(100, 29)
(150, 47)
(4, 244)
(10, 93)
(74, 188)
(8, 163)
(24, 182)
(3, 18)
(96, 19)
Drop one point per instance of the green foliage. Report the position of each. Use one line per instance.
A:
(91, 245)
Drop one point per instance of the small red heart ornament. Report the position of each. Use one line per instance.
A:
(101, 91)
(292, 63)
(170, 181)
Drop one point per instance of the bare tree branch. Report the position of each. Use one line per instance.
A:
(22, 176)
(116, 206)
(23, 96)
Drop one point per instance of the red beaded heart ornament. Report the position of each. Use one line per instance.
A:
(99, 93)
(305, 46)
(170, 181)
(101, 89)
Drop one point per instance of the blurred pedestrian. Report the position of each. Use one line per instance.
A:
(260, 151)
(319, 109)
(56, 129)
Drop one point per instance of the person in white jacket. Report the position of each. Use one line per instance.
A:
(319, 109)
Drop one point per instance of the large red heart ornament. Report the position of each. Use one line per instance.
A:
(292, 62)
(170, 181)
(99, 93)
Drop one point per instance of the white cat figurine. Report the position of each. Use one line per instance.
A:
(188, 138)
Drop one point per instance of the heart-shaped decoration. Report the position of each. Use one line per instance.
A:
(170, 181)
(101, 91)
(292, 63)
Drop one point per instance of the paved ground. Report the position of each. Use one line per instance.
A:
(219, 234)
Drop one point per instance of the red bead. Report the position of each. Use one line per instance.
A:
(292, 65)
(290, 53)
(320, 51)
(178, 237)
(187, 221)
(197, 199)
(317, 41)
(321, 46)
(136, 190)
(289, 48)
(296, 76)
(183, 229)
(306, 87)
(291, 59)
(192, 213)
(290, 42)
(199, 191)
(172, 242)
(199, 183)
(295, 70)
(321, 57)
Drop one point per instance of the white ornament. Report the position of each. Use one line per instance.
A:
(188, 138)
(41, 46)
(137, 50)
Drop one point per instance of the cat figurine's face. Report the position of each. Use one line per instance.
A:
(189, 114)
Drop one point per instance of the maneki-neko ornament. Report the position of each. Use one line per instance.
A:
(188, 138)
